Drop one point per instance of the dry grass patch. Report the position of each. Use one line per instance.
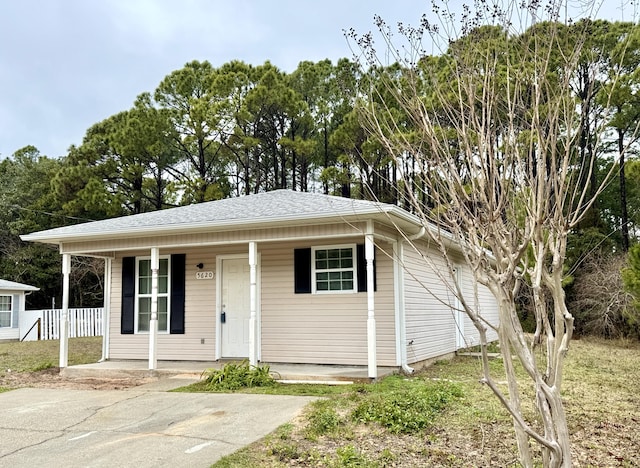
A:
(600, 393)
(20, 362)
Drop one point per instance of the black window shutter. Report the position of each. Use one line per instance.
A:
(362, 270)
(302, 270)
(127, 320)
(177, 293)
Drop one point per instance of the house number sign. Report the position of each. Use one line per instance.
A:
(204, 275)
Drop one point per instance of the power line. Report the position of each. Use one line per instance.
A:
(51, 214)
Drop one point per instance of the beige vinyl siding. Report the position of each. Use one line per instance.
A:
(297, 328)
(322, 328)
(487, 307)
(200, 315)
(429, 318)
(430, 303)
(234, 236)
(481, 299)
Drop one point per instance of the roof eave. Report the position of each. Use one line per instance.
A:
(380, 213)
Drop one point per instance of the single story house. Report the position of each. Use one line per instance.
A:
(275, 277)
(12, 304)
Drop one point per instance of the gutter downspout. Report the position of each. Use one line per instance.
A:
(418, 235)
(398, 252)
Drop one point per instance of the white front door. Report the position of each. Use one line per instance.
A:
(236, 309)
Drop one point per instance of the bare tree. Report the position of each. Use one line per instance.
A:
(601, 304)
(492, 127)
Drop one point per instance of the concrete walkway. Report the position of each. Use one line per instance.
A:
(138, 427)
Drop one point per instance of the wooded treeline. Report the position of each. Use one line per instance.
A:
(208, 133)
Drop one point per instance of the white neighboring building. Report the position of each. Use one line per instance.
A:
(12, 304)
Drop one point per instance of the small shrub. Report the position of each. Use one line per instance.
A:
(350, 456)
(42, 366)
(284, 451)
(284, 432)
(235, 376)
(323, 418)
(387, 457)
(406, 410)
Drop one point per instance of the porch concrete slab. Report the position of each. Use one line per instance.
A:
(100, 428)
(195, 369)
(120, 369)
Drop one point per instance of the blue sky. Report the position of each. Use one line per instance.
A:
(67, 64)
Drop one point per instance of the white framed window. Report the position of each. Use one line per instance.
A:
(334, 269)
(143, 294)
(6, 311)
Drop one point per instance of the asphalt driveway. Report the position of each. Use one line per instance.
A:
(133, 428)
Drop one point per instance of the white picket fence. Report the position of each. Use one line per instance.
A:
(82, 322)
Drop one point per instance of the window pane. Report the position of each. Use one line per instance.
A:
(164, 267)
(162, 322)
(144, 268)
(335, 276)
(5, 319)
(323, 276)
(144, 286)
(5, 303)
(335, 286)
(333, 253)
(144, 305)
(144, 313)
(162, 314)
(334, 263)
(321, 264)
(321, 254)
(347, 285)
(143, 323)
(163, 284)
(347, 275)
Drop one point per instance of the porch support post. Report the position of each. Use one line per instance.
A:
(369, 248)
(106, 309)
(153, 322)
(253, 303)
(64, 316)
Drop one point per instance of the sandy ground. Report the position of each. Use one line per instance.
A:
(51, 378)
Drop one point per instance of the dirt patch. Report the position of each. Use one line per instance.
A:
(51, 378)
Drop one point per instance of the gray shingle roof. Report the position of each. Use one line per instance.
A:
(12, 285)
(278, 205)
